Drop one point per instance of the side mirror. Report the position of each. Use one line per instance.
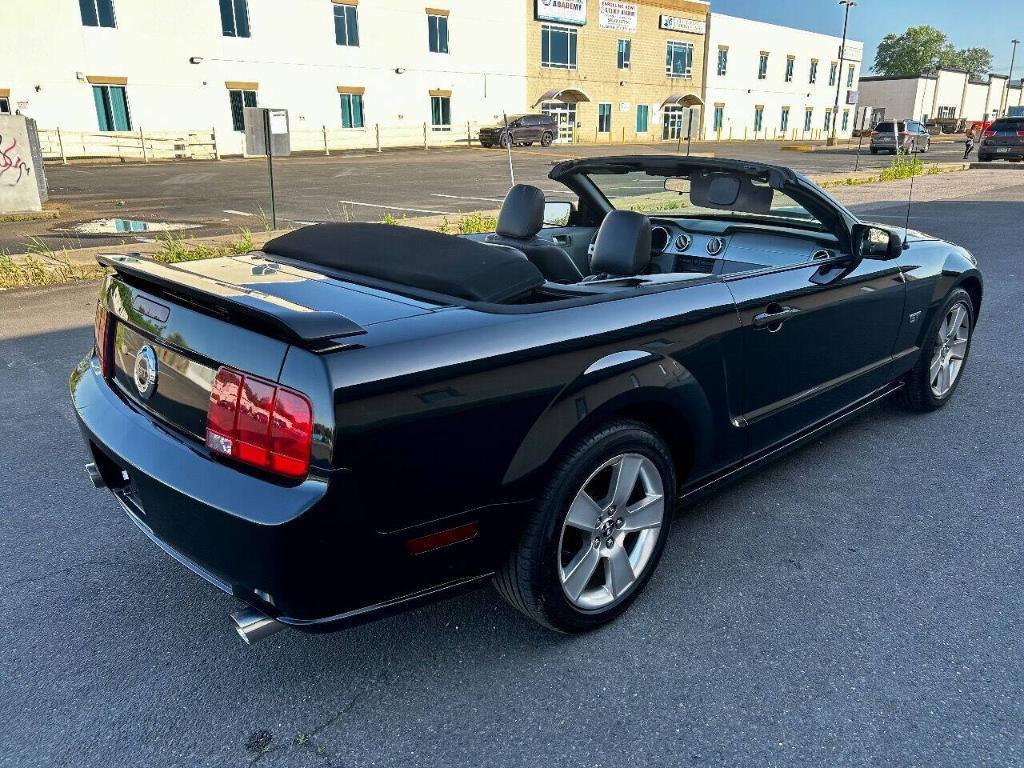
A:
(876, 243)
(557, 213)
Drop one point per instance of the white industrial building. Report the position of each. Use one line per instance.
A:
(765, 81)
(948, 93)
(88, 65)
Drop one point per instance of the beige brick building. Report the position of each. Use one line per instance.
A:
(617, 70)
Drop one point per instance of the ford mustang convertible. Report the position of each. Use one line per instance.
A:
(361, 418)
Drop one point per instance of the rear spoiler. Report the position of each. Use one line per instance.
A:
(271, 315)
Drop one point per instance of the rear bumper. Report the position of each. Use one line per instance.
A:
(305, 555)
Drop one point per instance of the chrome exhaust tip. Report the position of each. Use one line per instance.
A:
(252, 626)
(94, 475)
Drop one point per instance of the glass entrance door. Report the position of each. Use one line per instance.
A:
(672, 123)
(565, 114)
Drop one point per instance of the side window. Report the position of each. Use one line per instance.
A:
(234, 18)
(346, 25)
(97, 13)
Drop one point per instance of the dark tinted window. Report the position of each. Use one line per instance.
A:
(1008, 125)
(887, 127)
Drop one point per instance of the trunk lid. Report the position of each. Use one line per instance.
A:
(173, 326)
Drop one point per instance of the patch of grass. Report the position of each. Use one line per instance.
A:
(174, 250)
(15, 218)
(471, 224)
(902, 167)
(41, 266)
(390, 218)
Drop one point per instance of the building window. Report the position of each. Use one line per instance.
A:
(97, 13)
(762, 67)
(112, 108)
(346, 25)
(814, 72)
(352, 110)
(947, 112)
(719, 118)
(784, 122)
(441, 113)
(828, 119)
(624, 52)
(832, 73)
(846, 119)
(849, 75)
(642, 117)
(808, 117)
(437, 33)
(604, 118)
(234, 18)
(238, 100)
(723, 61)
(758, 118)
(789, 69)
(679, 59)
(557, 47)
(5, 105)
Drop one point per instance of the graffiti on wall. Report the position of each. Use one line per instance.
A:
(11, 161)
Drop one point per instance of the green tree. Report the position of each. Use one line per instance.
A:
(924, 49)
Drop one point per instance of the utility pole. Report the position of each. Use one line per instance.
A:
(839, 74)
(1009, 82)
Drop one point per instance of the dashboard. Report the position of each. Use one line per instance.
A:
(719, 247)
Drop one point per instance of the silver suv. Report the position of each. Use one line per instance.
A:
(912, 136)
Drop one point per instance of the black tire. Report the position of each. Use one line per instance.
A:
(874, 151)
(527, 143)
(503, 141)
(529, 580)
(917, 394)
(547, 139)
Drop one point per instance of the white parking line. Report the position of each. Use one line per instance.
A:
(395, 208)
(238, 213)
(458, 197)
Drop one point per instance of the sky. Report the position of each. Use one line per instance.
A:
(968, 23)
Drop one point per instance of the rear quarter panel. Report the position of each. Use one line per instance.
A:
(460, 409)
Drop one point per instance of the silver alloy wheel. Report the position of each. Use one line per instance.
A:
(950, 350)
(609, 534)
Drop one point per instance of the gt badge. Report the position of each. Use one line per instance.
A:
(145, 372)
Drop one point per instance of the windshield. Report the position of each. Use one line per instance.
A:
(670, 196)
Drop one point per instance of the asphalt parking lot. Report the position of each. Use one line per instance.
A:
(857, 604)
(232, 194)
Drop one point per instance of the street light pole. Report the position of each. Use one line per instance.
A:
(839, 74)
(1009, 82)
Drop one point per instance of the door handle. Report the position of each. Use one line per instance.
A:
(774, 317)
(561, 239)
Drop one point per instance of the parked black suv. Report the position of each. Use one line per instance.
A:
(1003, 140)
(523, 129)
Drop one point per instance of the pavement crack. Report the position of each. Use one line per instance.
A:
(58, 572)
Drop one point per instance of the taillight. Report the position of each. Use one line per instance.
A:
(103, 351)
(1020, 133)
(989, 133)
(875, 133)
(259, 423)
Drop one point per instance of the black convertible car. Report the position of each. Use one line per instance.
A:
(361, 417)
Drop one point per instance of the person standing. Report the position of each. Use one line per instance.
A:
(969, 142)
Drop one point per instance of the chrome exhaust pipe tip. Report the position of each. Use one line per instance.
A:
(94, 475)
(252, 625)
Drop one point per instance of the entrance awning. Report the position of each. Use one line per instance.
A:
(564, 95)
(682, 100)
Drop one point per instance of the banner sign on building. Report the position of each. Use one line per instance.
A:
(565, 11)
(618, 15)
(679, 24)
(852, 97)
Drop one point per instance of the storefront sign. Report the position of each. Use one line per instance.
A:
(565, 11)
(618, 15)
(679, 24)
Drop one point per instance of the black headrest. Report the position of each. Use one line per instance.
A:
(623, 245)
(730, 191)
(522, 213)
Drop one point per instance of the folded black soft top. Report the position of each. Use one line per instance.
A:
(417, 258)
